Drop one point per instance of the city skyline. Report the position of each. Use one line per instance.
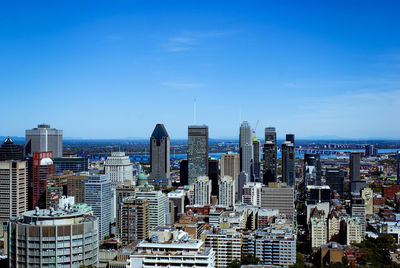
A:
(311, 68)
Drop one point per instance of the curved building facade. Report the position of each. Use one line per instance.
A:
(48, 238)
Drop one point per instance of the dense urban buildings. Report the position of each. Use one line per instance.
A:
(202, 191)
(158, 203)
(230, 166)
(288, 163)
(44, 139)
(159, 153)
(226, 196)
(197, 152)
(53, 238)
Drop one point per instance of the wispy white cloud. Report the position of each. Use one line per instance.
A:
(188, 40)
(180, 85)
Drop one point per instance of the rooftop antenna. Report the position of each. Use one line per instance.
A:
(194, 112)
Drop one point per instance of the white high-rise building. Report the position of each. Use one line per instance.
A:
(252, 193)
(202, 191)
(119, 168)
(226, 196)
(98, 196)
(158, 206)
(246, 149)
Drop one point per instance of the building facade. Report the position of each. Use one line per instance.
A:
(279, 196)
(312, 169)
(134, 220)
(74, 164)
(158, 203)
(230, 166)
(48, 238)
(10, 151)
(288, 163)
(197, 152)
(119, 168)
(98, 196)
(202, 191)
(13, 187)
(44, 139)
(334, 177)
(226, 196)
(159, 153)
(246, 149)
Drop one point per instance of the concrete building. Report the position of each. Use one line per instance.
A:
(159, 153)
(334, 221)
(398, 166)
(48, 238)
(279, 196)
(98, 196)
(318, 194)
(13, 186)
(158, 206)
(76, 186)
(226, 196)
(135, 220)
(242, 179)
(72, 163)
(230, 166)
(202, 191)
(275, 248)
(56, 187)
(270, 156)
(197, 152)
(226, 245)
(312, 169)
(334, 177)
(169, 246)
(119, 168)
(252, 193)
(44, 139)
(40, 166)
(213, 175)
(288, 164)
(246, 149)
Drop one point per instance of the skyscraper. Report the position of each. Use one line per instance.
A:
(119, 168)
(39, 165)
(10, 151)
(13, 185)
(290, 138)
(312, 169)
(257, 159)
(356, 184)
(159, 153)
(398, 166)
(246, 149)
(335, 179)
(270, 156)
(242, 179)
(197, 152)
(213, 175)
(226, 195)
(158, 202)
(98, 196)
(288, 163)
(44, 139)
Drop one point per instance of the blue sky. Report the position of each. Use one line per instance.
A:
(113, 69)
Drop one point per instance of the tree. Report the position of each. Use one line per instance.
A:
(246, 259)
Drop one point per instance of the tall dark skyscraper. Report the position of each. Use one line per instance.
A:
(356, 184)
(270, 156)
(197, 152)
(183, 172)
(44, 139)
(159, 153)
(288, 163)
(312, 169)
(257, 159)
(335, 179)
(10, 151)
